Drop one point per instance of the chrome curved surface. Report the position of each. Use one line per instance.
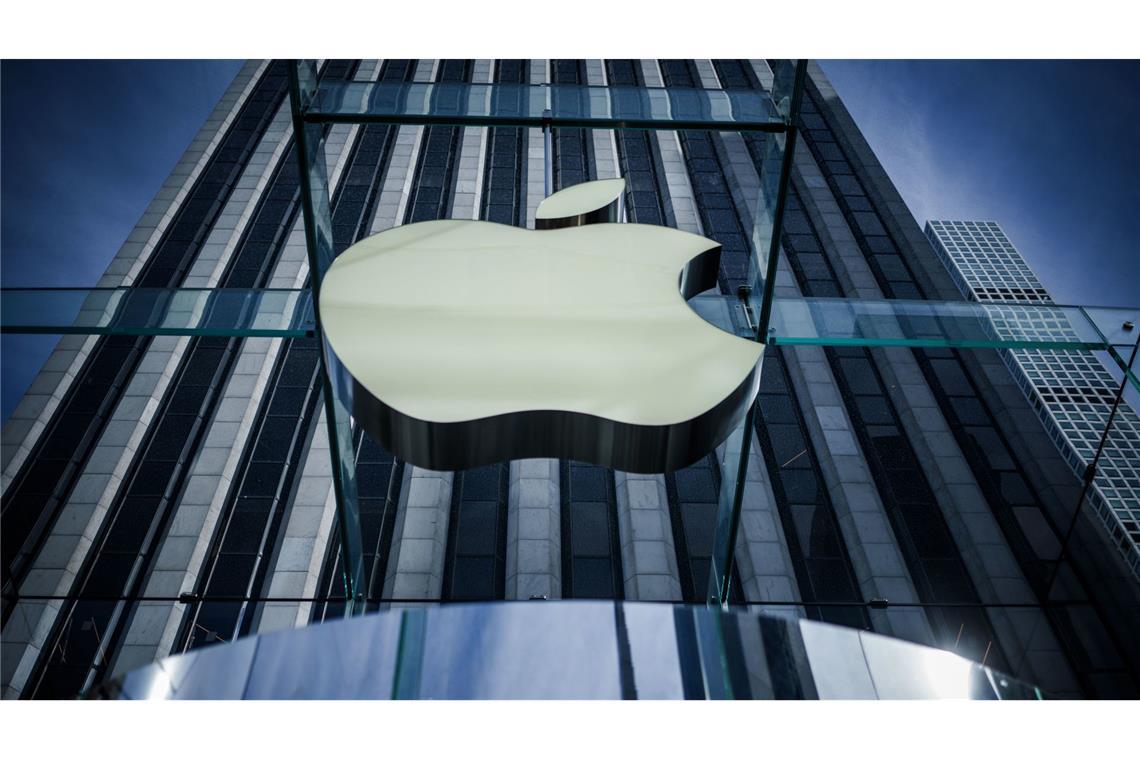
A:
(567, 650)
(551, 434)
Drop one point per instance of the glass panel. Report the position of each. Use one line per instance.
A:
(1121, 330)
(958, 324)
(337, 384)
(286, 313)
(765, 207)
(787, 78)
(579, 650)
(522, 105)
(158, 311)
(774, 161)
(729, 458)
(1104, 433)
(1120, 326)
(922, 324)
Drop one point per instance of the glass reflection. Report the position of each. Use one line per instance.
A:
(567, 650)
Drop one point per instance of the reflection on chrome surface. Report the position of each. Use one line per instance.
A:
(567, 650)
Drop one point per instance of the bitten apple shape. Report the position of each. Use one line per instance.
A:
(467, 343)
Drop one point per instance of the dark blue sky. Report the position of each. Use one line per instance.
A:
(1048, 149)
(84, 146)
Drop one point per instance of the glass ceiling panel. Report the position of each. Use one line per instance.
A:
(525, 105)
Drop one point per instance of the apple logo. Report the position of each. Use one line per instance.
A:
(467, 342)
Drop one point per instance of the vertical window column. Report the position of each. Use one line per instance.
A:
(591, 555)
(534, 530)
(43, 485)
(160, 473)
(475, 568)
(505, 173)
(573, 148)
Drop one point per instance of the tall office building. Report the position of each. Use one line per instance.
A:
(1073, 392)
(913, 493)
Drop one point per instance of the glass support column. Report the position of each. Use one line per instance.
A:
(548, 153)
(336, 385)
(775, 175)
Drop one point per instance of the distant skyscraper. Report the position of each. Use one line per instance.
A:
(1072, 392)
(150, 481)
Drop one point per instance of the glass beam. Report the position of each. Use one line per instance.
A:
(524, 105)
(337, 390)
(767, 221)
(290, 313)
(229, 312)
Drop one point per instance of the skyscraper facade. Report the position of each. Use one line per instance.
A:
(1073, 392)
(162, 494)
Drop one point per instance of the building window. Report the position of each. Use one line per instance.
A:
(591, 551)
(475, 567)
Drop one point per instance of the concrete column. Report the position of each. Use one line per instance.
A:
(762, 558)
(673, 162)
(534, 530)
(415, 567)
(605, 141)
(419, 545)
(648, 554)
(467, 198)
(707, 72)
(536, 149)
(308, 538)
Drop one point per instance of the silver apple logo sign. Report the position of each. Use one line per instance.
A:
(471, 342)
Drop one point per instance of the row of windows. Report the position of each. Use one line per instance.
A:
(1072, 392)
(999, 476)
(923, 535)
(815, 543)
(475, 566)
(277, 448)
(647, 195)
(573, 148)
(435, 169)
(379, 481)
(130, 540)
(49, 473)
(591, 551)
(719, 220)
(257, 507)
(504, 179)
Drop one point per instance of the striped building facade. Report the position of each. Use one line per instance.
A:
(145, 477)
